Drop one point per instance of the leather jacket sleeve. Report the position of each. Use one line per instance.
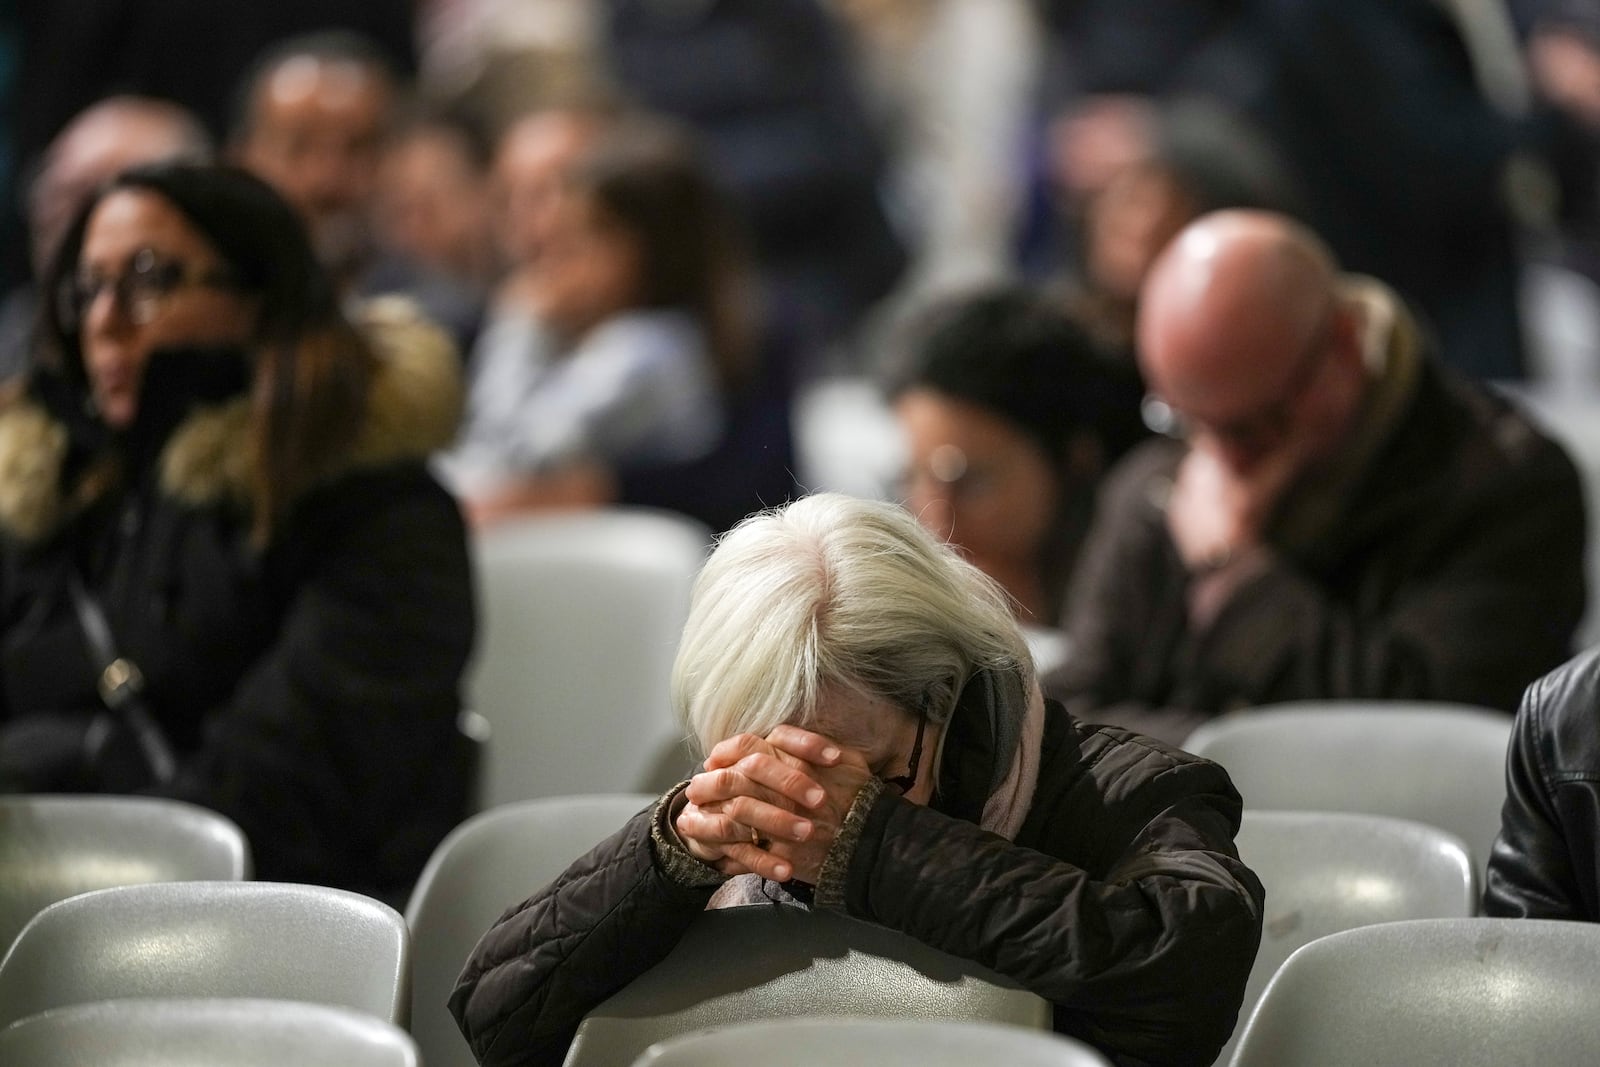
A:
(1543, 865)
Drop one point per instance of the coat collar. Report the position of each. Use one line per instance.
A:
(413, 409)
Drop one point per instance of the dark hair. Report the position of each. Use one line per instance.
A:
(1014, 353)
(312, 367)
(1019, 355)
(647, 178)
(330, 46)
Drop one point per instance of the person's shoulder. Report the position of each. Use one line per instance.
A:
(33, 450)
(1123, 763)
(415, 403)
(1562, 711)
(1490, 430)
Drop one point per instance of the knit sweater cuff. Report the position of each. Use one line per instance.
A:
(835, 872)
(673, 858)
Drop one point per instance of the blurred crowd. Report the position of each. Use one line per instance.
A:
(1186, 310)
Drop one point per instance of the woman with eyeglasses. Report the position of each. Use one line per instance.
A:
(226, 574)
(1011, 416)
(876, 744)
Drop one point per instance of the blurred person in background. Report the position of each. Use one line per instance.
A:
(314, 116)
(771, 88)
(75, 52)
(1200, 159)
(1011, 416)
(640, 326)
(99, 143)
(1408, 126)
(433, 203)
(226, 575)
(530, 169)
(1338, 516)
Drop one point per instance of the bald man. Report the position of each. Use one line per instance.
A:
(1336, 517)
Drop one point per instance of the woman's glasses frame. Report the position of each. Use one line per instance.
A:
(904, 783)
(141, 291)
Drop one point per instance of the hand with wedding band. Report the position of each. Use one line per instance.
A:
(770, 806)
(750, 796)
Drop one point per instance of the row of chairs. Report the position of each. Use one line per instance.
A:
(1424, 992)
(1324, 873)
(200, 1032)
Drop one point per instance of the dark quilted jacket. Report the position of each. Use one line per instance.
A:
(1123, 902)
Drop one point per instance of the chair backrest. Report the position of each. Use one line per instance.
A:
(1434, 993)
(581, 618)
(54, 847)
(223, 1032)
(1441, 764)
(485, 865)
(211, 939)
(775, 960)
(846, 437)
(880, 1042)
(1331, 871)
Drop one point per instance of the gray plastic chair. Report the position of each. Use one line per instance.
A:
(880, 1042)
(488, 863)
(236, 1032)
(211, 939)
(54, 847)
(776, 961)
(1434, 993)
(581, 615)
(1331, 871)
(1440, 764)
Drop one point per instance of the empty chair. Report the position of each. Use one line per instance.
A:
(233, 1032)
(484, 866)
(1331, 871)
(1434, 993)
(211, 939)
(880, 1042)
(846, 437)
(581, 616)
(1441, 764)
(53, 847)
(771, 961)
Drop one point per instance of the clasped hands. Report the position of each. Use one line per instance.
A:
(771, 805)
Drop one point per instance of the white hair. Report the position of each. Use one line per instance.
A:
(836, 591)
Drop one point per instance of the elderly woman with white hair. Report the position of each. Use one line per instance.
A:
(877, 744)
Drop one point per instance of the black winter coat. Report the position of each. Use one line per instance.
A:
(310, 689)
(1122, 901)
(1546, 862)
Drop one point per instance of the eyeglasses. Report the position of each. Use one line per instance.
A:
(904, 783)
(1257, 430)
(141, 290)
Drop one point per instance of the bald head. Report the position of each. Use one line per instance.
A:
(101, 142)
(1237, 296)
(1243, 332)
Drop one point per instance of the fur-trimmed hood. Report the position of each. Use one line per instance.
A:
(413, 409)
